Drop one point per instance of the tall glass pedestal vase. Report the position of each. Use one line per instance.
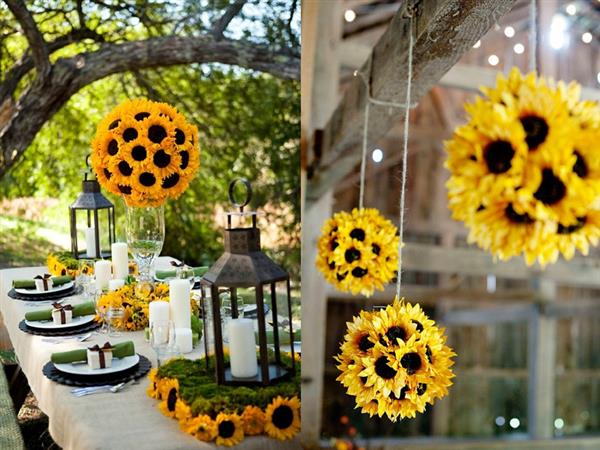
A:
(145, 237)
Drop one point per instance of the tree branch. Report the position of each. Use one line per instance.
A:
(33, 35)
(221, 25)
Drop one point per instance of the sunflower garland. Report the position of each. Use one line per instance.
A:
(358, 251)
(145, 152)
(395, 361)
(525, 170)
(224, 414)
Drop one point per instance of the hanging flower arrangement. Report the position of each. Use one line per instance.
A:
(525, 170)
(358, 251)
(395, 361)
(145, 152)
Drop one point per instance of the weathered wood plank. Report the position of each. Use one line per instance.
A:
(443, 31)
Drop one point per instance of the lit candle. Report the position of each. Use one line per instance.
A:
(179, 300)
(113, 285)
(102, 273)
(90, 242)
(158, 312)
(242, 348)
(183, 339)
(120, 260)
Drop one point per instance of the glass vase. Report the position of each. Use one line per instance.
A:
(145, 236)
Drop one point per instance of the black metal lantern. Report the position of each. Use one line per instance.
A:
(92, 202)
(244, 265)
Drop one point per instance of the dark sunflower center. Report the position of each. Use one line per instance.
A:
(130, 134)
(141, 115)
(383, 370)
(364, 343)
(394, 333)
(161, 159)
(551, 189)
(332, 265)
(179, 136)
(498, 156)
(411, 362)
(172, 399)
(113, 148)
(562, 229)
(185, 159)
(125, 168)
(515, 217)
(359, 272)
(114, 124)
(107, 174)
(402, 396)
(376, 249)
(147, 179)
(358, 234)
(341, 276)
(125, 189)
(138, 153)
(428, 353)
(352, 255)
(333, 244)
(156, 133)
(421, 388)
(418, 325)
(170, 181)
(536, 130)
(580, 167)
(363, 380)
(226, 429)
(283, 416)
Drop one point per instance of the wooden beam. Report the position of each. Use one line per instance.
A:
(444, 30)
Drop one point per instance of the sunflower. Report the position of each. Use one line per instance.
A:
(407, 367)
(145, 152)
(283, 418)
(254, 420)
(169, 392)
(201, 427)
(358, 251)
(182, 411)
(230, 430)
(152, 390)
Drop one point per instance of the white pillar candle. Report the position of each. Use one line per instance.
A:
(179, 300)
(102, 273)
(90, 242)
(158, 312)
(113, 285)
(242, 348)
(183, 339)
(120, 260)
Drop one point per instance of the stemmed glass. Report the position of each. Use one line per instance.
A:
(145, 236)
(162, 340)
(101, 311)
(85, 276)
(115, 316)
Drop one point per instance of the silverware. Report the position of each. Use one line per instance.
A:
(85, 337)
(80, 392)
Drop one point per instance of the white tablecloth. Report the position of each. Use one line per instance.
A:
(127, 420)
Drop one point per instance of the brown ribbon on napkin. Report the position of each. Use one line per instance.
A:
(62, 309)
(105, 348)
(44, 279)
(177, 264)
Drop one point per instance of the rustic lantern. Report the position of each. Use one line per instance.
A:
(244, 265)
(91, 202)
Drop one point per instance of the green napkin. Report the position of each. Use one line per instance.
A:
(120, 350)
(30, 284)
(284, 337)
(162, 274)
(83, 309)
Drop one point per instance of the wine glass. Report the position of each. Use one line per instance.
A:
(162, 340)
(115, 316)
(145, 236)
(101, 311)
(85, 275)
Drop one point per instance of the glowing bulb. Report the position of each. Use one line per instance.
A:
(587, 37)
(598, 77)
(514, 423)
(571, 9)
(559, 423)
(377, 155)
(477, 44)
(558, 35)
(500, 421)
(509, 32)
(493, 60)
(349, 15)
(519, 48)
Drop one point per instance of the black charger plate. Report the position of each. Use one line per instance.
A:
(134, 373)
(64, 332)
(75, 290)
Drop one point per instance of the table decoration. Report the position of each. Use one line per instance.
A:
(43, 283)
(242, 348)
(31, 283)
(225, 414)
(120, 260)
(395, 361)
(244, 265)
(119, 350)
(54, 332)
(97, 357)
(183, 339)
(525, 178)
(158, 311)
(43, 297)
(102, 274)
(113, 285)
(75, 322)
(179, 303)
(62, 314)
(81, 309)
(62, 263)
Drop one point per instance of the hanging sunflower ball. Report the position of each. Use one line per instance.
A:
(525, 170)
(358, 251)
(395, 361)
(145, 152)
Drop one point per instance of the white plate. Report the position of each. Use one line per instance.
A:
(34, 291)
(50, 325)
(82, 368)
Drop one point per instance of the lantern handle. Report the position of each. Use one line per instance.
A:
(248, 193)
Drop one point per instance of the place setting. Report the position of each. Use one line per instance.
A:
(61, 319)
(44, 288)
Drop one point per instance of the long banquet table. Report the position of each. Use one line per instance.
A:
(106, 421)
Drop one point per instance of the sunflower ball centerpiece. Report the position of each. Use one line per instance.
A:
(146, 152)
(358, 251)
(525, 170)
(395, 361)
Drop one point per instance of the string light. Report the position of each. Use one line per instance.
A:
(477, 44)
(514, 423)
(377, 155)
(571, 9)
(558, 35)
(349, 15)
(519, 48)
(493, 60)
(598, 77)
(587, 37)
(509, 32)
